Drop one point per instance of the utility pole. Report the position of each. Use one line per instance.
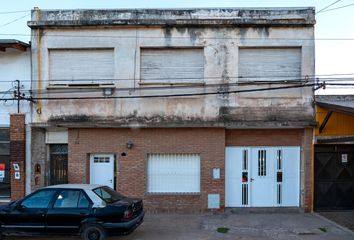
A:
(18, 95)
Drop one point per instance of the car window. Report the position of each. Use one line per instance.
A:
(83, 201)
(108, 195)
(67, 199)
(39, 199)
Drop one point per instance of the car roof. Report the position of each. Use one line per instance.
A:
(76, 186)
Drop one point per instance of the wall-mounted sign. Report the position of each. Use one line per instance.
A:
(17, 175)
(216, 173)
(2, 171)
(344, 158)
(16, 167)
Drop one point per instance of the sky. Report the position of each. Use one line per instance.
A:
(332, 56)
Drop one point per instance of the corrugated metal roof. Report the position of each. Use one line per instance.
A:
(337, 103)
(13, 43)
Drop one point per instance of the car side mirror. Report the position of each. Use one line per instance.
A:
(19, 206)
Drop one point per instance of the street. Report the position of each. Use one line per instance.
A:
(251, 226)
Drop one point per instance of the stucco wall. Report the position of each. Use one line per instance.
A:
(220, 66)
(14, 64)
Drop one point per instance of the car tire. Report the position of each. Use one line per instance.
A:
(93, 232)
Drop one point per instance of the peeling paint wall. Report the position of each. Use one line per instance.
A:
(287, 107)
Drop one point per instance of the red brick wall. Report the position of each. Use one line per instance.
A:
(264, 137)
(17, 154)
(281, 137)
(307, 154)
(209, 143)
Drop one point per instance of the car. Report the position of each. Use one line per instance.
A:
(92, 211)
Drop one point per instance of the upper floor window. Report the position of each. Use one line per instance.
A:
(80, 67)
(172, 66)
(269, 64)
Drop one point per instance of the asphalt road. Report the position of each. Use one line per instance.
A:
(250, 226)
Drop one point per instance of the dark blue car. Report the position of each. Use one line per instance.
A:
(92, 211)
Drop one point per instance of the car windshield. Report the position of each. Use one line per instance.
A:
(108, 195)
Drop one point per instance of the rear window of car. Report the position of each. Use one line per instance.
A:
(108, 195)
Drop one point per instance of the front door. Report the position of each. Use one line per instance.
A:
(262, 181)
(102, 169)
(262, 176)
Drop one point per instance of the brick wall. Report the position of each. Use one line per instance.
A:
(281, 137)
(264, 137)
(17, 154)
(209, 143)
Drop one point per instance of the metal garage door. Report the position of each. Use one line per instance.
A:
(334, 177)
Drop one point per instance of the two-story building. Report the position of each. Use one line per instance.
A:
(191, 109)
(15, 68)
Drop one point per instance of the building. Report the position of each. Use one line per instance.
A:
(191, 109)
(334, 153)
(15, 64)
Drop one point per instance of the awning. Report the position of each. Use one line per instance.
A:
(12, 43)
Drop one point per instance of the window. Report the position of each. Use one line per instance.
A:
(173, 173)
(262, 163)
(108, 195)
(182, 65)
(78, 67)
(39, 199)
(4, 134)
(83, 201)
(269, 64)
(71, 199)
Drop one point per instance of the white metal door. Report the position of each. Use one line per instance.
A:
(102, 169)
(262, 177)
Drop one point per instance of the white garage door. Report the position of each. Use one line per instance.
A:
(262, 176)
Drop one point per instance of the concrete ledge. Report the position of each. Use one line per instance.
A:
(173, 17)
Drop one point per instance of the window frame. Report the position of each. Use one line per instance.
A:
(50, 203)
(143, 83)
(147, 192)
(71, 189)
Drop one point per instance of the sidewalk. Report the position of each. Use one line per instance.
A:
(250, 226)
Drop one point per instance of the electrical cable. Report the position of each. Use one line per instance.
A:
(176, 95)
(332, 9)
(15, 20)
(326, 7)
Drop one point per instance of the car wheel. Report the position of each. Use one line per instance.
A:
(93, 232)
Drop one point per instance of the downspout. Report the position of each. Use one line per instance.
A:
(39, 107)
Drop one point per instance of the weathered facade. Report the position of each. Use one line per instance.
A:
(146, 91)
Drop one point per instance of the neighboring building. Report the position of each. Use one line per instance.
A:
(97, 75)
(334, 153)
(15, 64)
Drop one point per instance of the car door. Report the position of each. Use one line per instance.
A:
(69, 209)
(28, 215)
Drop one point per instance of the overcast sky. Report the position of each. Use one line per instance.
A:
(332, 57)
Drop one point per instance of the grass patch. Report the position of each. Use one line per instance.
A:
(222, 230)
(323, 229)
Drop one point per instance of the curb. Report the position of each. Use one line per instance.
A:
(334, 223)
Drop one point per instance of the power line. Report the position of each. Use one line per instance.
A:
(335, 2)
(176, 95)
(257, 79)
(15, 20)
(315, 85)
(332, 9)
(12, 12)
